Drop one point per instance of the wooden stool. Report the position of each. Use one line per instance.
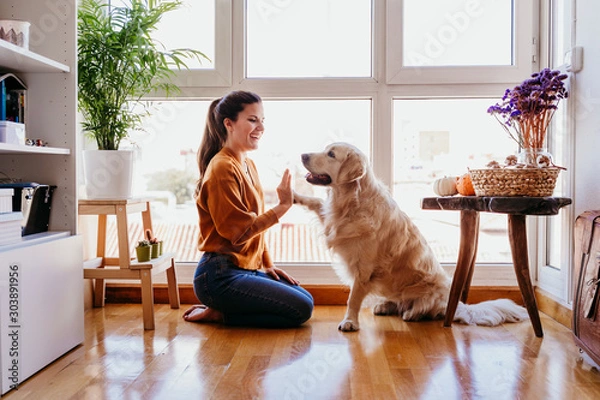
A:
(124, 267)
(517, 208)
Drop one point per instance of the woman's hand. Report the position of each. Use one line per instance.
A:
(285, 194)
(278, 273)
(284, 190)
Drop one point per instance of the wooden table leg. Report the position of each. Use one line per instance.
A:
(147, 299)
(467, 284)
(99, 284)
(123, 236)
(469, 230)
(517, 235)
(172, 285)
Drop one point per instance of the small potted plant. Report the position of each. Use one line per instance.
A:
(154, 243)
(143, 250)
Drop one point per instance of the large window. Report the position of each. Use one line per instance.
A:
(340, 70)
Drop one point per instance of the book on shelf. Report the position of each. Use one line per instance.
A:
(10, 227)
(13, 98)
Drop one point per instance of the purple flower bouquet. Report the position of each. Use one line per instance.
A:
(525, 112)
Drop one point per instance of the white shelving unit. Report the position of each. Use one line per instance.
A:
(41, 277)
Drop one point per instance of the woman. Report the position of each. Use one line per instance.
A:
(235, 279)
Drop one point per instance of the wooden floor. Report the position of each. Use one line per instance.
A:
(386, 359)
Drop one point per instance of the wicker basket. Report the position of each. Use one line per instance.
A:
(533, 182)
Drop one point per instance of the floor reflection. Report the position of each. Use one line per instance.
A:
(322, 372)
(387, 359)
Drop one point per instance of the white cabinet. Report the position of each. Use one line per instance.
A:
(41, 305)
(41, 278)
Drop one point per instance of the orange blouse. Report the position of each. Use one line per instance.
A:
(231, 211)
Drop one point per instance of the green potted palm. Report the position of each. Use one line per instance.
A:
(120, 62)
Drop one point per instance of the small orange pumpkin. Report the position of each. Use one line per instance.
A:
(464, 185)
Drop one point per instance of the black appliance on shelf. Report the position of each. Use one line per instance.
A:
(34, 200)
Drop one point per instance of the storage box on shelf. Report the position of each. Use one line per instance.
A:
(6, 200)
(15, 32)
(10, 227)
(12, 133)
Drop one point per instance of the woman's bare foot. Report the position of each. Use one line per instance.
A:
(201, 313)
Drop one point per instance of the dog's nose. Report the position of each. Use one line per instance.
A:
(305, 157)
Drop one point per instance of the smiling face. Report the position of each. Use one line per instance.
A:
(340, 163)
(245, 132)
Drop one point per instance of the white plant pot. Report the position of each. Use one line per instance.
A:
(108, 173)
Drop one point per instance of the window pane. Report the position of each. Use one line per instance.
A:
(192, 26)
(292, 128)
(457, 32)
(560, 29)
(556, 232)
(436, 138)
(166, 169)
(309, 38)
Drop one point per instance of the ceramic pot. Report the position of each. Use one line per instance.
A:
(143, 253)
(155, 249)
(108, 173)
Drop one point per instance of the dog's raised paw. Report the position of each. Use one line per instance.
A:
(348, 325)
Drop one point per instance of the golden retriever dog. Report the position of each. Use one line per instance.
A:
(383, 252)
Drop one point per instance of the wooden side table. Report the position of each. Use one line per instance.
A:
(517, 209)
(124, 267)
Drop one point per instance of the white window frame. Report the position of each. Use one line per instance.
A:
(220, 75)
(524, 53)
(558, 281)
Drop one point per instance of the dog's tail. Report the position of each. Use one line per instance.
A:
(490, 313)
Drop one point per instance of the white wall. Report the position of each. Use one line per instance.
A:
(587, 95)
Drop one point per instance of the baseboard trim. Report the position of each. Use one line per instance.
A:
(553, 308)
(338, 294)
(323, 294)
(131, 293)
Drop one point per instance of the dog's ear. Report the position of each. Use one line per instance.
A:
(353, 168)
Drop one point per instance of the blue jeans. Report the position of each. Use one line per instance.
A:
(249, 298)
